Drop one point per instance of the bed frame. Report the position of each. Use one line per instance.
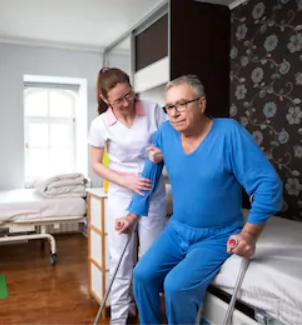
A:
(36, 229)
(215, 308)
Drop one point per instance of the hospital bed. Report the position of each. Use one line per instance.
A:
(25, 213)
(271, 291)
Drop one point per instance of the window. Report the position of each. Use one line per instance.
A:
(49, 126)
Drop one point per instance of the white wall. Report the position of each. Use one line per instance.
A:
(119, 56)
(121, 61)
(17, 61)
(156, 94)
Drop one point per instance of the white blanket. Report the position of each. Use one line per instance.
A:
(66, 185)
(30, 206)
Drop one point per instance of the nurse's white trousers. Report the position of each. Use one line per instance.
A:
(148, 229)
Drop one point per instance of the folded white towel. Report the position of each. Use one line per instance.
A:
(63, 185)
(66, 190)
(67, 182)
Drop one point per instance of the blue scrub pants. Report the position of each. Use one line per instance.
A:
(181, 263)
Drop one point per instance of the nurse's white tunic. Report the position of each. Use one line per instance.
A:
(127, 154)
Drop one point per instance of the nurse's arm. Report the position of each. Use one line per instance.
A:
(136, 184)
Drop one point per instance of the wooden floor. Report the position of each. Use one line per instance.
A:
(39, 293)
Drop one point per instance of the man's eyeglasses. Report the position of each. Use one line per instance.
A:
(118, 102)
(180, 107)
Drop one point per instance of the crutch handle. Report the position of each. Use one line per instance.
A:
(233, 242)
(119, 224)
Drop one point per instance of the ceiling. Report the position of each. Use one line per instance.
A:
(89, 24)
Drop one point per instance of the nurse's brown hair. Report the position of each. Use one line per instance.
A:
(108, 78)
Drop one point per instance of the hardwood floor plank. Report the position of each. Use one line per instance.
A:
(39, 293)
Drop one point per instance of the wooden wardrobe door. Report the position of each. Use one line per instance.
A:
(200, 44)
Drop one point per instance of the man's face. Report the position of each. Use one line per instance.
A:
(184, 107)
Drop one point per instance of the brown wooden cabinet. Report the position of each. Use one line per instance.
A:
(98, 255)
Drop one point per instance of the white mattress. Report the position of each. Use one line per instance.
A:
(30, 205)
(273, 281)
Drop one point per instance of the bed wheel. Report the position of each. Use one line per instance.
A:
(53, 258)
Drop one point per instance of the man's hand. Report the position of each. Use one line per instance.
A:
(123, 225)
(155, 154)
(246, 244)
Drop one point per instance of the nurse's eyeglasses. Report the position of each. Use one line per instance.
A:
(180, 107)
(118, 102)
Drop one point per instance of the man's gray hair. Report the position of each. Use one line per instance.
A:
(191, 80)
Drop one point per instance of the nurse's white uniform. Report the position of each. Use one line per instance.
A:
(127, 155)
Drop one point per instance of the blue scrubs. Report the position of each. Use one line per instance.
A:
(207, 202)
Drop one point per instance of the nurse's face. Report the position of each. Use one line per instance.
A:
(184, 107)
(121, 98)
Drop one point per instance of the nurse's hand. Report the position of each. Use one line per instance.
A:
(122, 225)
(137, 184)
(245, 244)
(155, 154)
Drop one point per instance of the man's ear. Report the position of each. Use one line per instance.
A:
(203, 104)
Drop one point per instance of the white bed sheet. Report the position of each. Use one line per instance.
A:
(273, 281)
(30, 205)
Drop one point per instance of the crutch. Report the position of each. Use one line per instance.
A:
(243, 268)
(120, 225)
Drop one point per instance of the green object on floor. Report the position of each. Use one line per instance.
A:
(3, 287)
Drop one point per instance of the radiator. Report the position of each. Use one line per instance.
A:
(64, 228)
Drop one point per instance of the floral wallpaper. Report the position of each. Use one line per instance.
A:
(266, 87)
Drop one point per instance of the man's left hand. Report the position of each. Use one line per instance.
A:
(246, 244)
(122, 225)
(155, 154)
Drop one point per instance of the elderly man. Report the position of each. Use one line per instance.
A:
(208, 160)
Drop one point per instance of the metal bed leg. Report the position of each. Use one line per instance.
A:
(50, 238)
(52, 243)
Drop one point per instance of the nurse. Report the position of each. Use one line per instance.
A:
(125, 127)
